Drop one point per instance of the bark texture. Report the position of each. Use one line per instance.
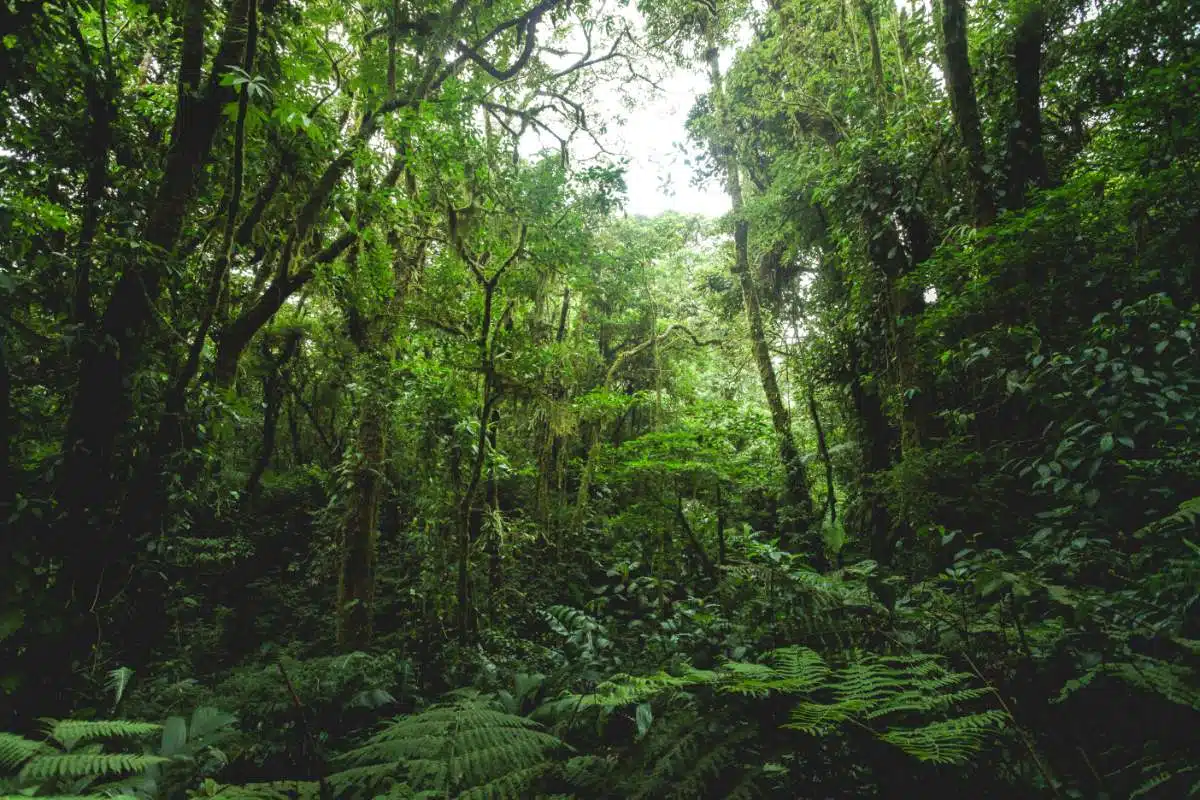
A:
(961, 84)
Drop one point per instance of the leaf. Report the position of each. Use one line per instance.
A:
(207, 721)
(174, 736)
(1106, 443)
(645, 718)
(371, 698)
(117, 683)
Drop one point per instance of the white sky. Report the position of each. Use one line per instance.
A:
(651, 135)
(657, 177)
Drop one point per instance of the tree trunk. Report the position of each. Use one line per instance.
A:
(100, 111)
(798, 501)
(294, 433)
(93, 550)
(356, 589)
(273, 385)
(103, 400)
(720, 528)
(146, 505)
(876, 55)
(1027, 161)
(875, 437)
(966, 109)
(471, 516)
(823, 449)
(706, 564)
(237, 336)
(495, 565)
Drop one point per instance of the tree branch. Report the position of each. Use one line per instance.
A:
(674, 327)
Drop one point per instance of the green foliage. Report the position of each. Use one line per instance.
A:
(871, 690)
(77, 759)
(86, 765)
(73, 758)
(464, 747)
(70, 732)
(320, 328)
(266, 790)
(16, 750)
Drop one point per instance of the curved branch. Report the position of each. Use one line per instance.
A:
(528, 21)
(587, 61)
(674, 327)
(530, 35)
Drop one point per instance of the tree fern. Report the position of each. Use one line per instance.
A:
(461, 748)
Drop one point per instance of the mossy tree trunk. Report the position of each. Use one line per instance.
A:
(797, 512)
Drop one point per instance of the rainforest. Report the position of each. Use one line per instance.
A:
(599, 399)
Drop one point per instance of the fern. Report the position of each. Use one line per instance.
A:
(1172, 681)
(118, 682)
(273, 790)
(70, 732)
(949, 741)
(879, 694)
(16, 750)
(78, 759)
(461, 748)
(87, 765)
(792, 670)
(622, 689)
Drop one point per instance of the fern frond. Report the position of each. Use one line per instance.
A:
(949, 741)
(69, 732)
(87, 765)
(366, 775)
(1151, 784)
(791, 670)
(16, 750)
(819, 719)
(622, 690)
(208, 721)
(514, 784)
(587, 772)
(460, 747)
(892, 690)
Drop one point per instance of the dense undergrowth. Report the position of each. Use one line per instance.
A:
(350, 448)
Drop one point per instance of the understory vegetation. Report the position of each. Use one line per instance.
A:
(357, 442)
